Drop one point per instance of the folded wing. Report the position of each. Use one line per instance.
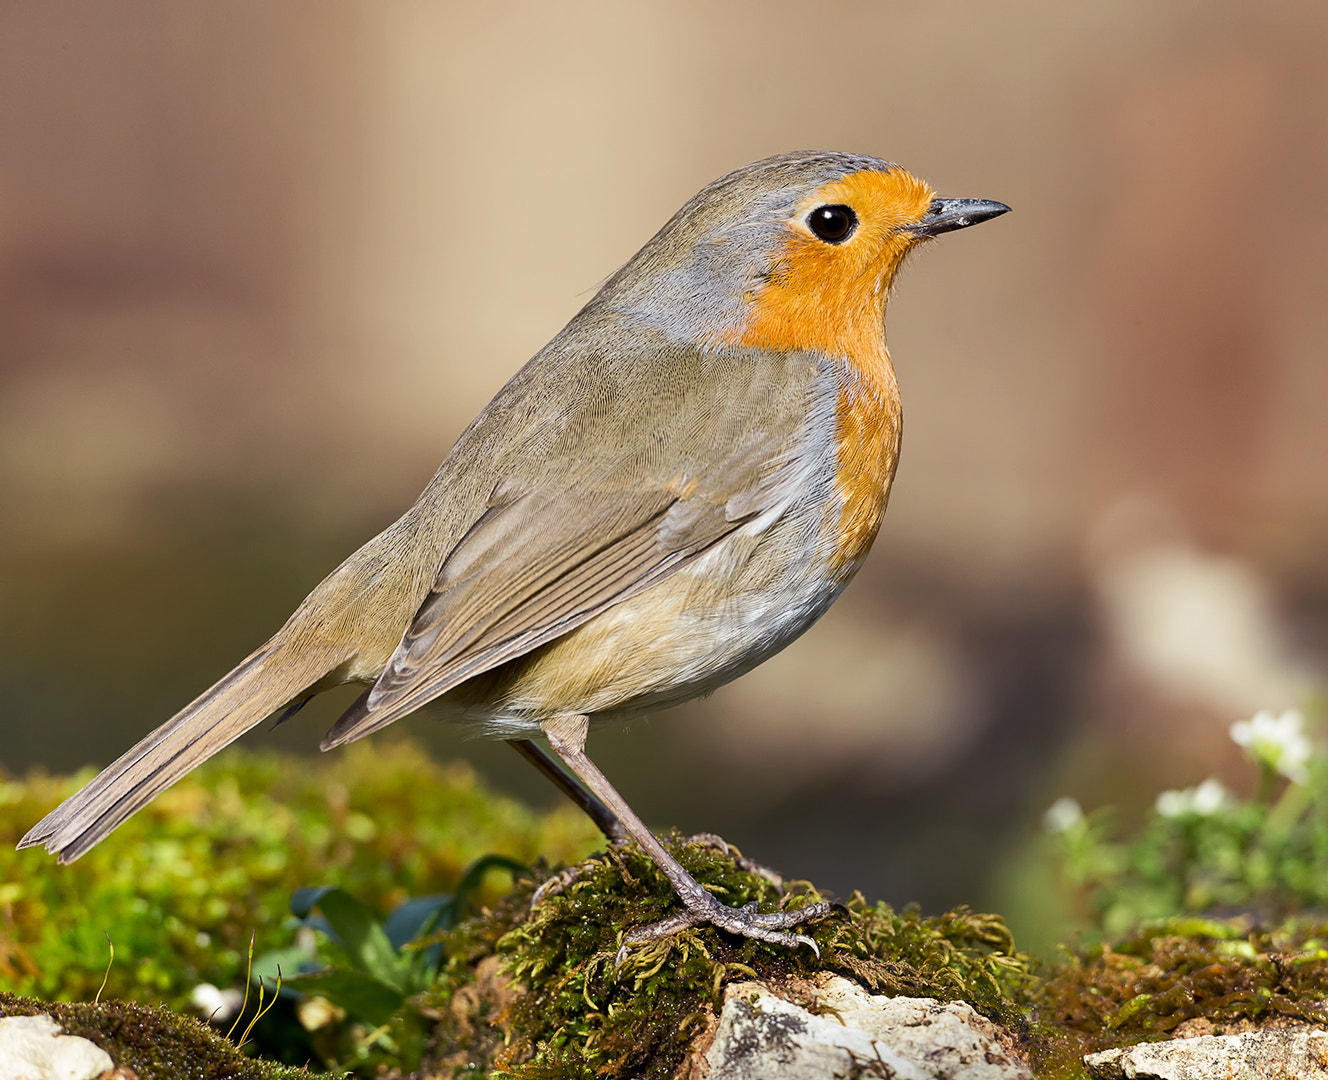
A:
(529, 571)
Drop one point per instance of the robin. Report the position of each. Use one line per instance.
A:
(673, 489)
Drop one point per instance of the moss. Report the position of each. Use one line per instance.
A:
(1147, 984)
(563, 1010)
(568, 1011)
(537, 995)
(155, 1043)
(183, 884)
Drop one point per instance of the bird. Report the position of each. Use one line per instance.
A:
(674, 488)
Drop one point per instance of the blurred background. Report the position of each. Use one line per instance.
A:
(260, 264)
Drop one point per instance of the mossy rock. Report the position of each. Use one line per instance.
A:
(538, 994)
(1226, 975)
(154, 1042)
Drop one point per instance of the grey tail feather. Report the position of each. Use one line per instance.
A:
(238, 701)
(352, 724)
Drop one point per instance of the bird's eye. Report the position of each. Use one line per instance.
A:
(833, 224)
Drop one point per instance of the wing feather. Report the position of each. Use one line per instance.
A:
(526, 598)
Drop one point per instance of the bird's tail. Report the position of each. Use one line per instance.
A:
(264, 682)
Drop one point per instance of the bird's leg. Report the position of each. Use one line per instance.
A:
(567, 736)
(565, 782)
(600, 814)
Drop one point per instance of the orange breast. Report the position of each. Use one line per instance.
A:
(868, 426)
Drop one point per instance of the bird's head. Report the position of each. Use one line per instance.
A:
(797, 251)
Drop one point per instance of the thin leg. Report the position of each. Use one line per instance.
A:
(566, 783)
(567, 736)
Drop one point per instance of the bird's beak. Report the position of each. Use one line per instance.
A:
(946, 215)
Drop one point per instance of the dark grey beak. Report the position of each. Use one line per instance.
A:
(946, 215)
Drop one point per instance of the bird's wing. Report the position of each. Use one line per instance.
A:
(530, 571)
(542, 561)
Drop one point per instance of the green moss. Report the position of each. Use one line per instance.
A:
(1148, 983)
(569, 1011)
(155, 1043)
(537, 995)
(183, 884)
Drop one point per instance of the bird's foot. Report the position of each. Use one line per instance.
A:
(570, 875)
(561, 881)
(745, 921)
(715, 842)
(565, 878)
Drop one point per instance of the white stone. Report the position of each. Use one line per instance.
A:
(1254, 1055)
(850, 1032)
(35, 1048)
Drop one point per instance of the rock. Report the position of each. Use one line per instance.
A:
(35, 1048)
(1254, 1055)
(833, 1028)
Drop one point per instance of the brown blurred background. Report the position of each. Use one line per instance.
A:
(260, 263)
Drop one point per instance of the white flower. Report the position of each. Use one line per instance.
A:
(216, 1005)
(1209, 797)
(1278, 742)
(1202, 801)
(1172, 803)
(1062, 815)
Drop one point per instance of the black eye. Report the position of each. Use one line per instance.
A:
(833, 224)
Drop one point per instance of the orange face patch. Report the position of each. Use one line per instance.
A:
(831, 297)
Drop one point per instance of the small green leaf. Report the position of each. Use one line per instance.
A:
(1126, 1012)
(304, 900)
(412, 917)
(1199, 927)
(362, 937)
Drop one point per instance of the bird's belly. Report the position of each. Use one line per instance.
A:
(700, 628)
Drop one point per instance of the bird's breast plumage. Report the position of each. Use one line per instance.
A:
(868, 429)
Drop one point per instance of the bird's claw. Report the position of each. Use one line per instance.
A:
(745, 921)
(563, 879)
(568, 876)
